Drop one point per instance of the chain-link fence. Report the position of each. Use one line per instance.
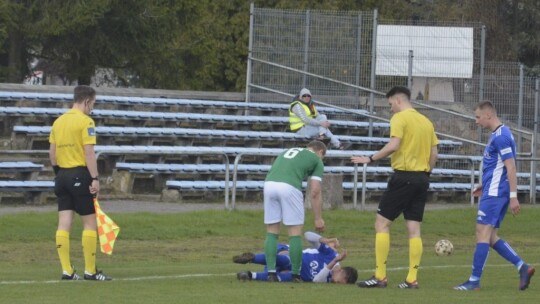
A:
(349, 59)
(336, 45)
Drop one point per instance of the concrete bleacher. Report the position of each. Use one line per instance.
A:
(21, 176)
(130, 173)
(200, 188)
(147, 136)
(24, 169)
(45, 116)
(14, 98)
(231, 155)
(150, 144)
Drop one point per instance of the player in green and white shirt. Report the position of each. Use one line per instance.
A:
(284, 201)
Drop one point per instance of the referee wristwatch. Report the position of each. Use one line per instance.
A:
(95, 178)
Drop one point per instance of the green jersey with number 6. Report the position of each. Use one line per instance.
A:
(294, 166)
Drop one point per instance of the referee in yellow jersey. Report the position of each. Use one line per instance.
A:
(413, 145)
(72, 140)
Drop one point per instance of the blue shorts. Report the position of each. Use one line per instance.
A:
(282, 247)
(491, 210)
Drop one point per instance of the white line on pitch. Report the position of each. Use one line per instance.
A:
(200, 275)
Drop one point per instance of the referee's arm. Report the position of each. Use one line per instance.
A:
(91, 162)
(52, 154)
(433, 157)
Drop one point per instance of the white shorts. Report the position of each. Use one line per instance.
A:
(283, 203)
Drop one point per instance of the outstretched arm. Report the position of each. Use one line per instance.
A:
(391, 147)
(316, 240)
(313, 238)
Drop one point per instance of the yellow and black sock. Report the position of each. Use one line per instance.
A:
(62, 246)
(89, 244)
(415, 255)
(382, 248)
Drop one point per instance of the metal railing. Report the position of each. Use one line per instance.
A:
(334, 53)
(475, 143)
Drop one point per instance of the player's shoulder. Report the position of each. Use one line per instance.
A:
(87, 120)
(311, 155)
(502, 133)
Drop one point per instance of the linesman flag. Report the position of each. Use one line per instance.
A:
(107, 230)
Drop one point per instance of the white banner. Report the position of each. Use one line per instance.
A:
(438, 51)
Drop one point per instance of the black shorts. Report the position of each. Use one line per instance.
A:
(72, 189)
(406, 193)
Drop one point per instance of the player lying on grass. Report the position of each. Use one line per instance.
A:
(320, 264)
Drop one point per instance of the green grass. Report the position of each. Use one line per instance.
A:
(186, 258)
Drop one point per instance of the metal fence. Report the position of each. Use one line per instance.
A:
(334, 54)
(335, 45)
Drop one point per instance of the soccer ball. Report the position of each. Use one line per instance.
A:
(444, 248)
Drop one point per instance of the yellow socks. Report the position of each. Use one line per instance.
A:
(415, 255)
(62, 246)
(382, 247)
(89, 244)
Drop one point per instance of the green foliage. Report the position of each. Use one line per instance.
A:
(186, 257)
(202, 44)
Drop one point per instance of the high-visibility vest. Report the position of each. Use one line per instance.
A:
(295, 121)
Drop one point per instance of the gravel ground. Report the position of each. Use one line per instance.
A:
(124, 206)
(131, 206)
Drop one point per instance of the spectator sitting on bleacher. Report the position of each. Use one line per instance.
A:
(305, 120)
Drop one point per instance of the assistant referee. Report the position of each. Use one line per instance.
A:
(71, 152)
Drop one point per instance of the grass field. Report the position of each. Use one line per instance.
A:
(186, 258)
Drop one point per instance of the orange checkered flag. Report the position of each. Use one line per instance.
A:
(107, 229)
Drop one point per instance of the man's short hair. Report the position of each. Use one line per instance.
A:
(317, 145)
(399, 90)
(83, 93)
(351, 274)
(486, 105)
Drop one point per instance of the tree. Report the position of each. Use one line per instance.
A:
(14, 49)
(202, 44)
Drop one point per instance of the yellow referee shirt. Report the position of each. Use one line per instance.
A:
(417, 138)
(70, 132)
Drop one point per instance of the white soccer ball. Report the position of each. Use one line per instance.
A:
(444, 248)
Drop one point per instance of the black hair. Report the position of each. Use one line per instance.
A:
(399, 90)
(351, 274)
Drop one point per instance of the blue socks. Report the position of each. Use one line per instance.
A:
(479, 260)
(504, 250)
(481, 254)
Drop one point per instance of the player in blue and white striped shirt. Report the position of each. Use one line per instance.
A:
(498, 192)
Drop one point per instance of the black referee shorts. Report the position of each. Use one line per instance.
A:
(72, 189)
(406, 193)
